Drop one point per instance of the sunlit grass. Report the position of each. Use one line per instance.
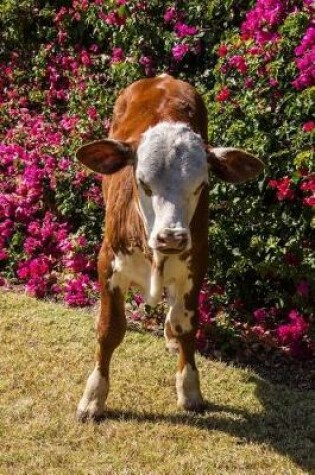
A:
(250, 427)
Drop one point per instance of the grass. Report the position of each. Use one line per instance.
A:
(250, 427)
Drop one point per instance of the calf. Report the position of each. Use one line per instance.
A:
(155, 165)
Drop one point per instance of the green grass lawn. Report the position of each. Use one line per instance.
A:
(251, 426)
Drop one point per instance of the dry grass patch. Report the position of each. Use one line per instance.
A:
(251, 426)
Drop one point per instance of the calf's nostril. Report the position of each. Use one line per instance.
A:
(162, 238)
(172, 239)
(181, 236)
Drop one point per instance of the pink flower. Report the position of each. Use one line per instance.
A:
(79, 291)
(170, 14)
(283, 187)
(179, 51)
(309, 201)
(206, 316)
(238, 62)
(308, 126)
(183, 30)
(92, 113)
(113, 18)
(294, 331)
(303, 288)
(85, 58)
(259, 330)
(118, 55)
(62, 37)
(260, 314)
(147, 63)
(3, 255)
(223, 95)
(308, 184)
(249, 83)
(222, 50)
(77, 16)
(138, 299)
(255, 50)
(273, 82)
(78, 263)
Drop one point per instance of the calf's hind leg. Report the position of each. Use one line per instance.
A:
(111, 328)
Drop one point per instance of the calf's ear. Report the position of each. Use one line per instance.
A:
(106, 156)
(232, 164)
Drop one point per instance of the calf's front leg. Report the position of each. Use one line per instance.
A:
(181, 323)
(187, 377)
(111, 328)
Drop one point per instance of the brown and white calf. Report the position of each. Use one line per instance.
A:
(155, 164)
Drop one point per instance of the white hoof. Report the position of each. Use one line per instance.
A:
(188, 390)
(92, 403)
(172, 346)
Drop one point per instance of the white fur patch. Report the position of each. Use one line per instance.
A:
(94, 396)
(135, 270)
(188, 389)
(178, 284)
(130, 269)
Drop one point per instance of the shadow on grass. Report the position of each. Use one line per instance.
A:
(287, 423)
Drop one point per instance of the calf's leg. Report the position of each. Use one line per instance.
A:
(181, 325)
(111, 328)
(187, 378)
(171, 342)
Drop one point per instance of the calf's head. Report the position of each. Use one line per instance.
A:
(171, 169)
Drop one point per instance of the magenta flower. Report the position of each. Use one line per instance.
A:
(222, 50)
(92, 113)
(113, 18)
(273, 82)
(283, 187)
(147, 63)
(249, 83)
(308, 126)
(3, 254)
(179, 51)
(170, 15)
(182, 30)
(80, 291)
(138, 299)
(309, 201)
(238, 62)
(260, 314)
(303, 288)
(223, 95)
(118, 55)
(308, 184)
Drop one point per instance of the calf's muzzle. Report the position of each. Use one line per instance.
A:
(172, 240)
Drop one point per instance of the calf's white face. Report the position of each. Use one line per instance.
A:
(171, 171)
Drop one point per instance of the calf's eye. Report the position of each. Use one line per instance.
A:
(145, 188)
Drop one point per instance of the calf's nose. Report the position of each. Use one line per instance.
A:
(172, 240)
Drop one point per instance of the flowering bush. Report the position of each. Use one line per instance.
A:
(262, 100)
(62, 64)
